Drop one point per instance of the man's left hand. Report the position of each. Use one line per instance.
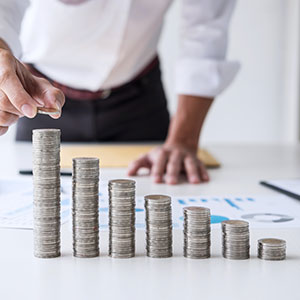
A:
(168, 161)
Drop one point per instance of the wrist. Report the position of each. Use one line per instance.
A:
(186, 124)
(181, 133)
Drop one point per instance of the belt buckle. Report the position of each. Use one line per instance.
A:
(105, 94)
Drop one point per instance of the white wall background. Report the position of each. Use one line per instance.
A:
(261, 106)
(262, 103)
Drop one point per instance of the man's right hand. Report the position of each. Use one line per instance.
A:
(21, 92)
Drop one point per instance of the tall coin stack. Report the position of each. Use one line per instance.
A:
(85, 207)
(121, 218)
(271, 249)
(158, 226)
(46, 192)
(196, 232)
(235, 239)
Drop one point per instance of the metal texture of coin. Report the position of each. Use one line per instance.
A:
(48, 111)
(159, 238)
(271, 249)
(46, 192)
(85, 207)
(235, 239)
(121, 218)
(196, 231)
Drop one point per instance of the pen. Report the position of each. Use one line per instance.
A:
(29, 172)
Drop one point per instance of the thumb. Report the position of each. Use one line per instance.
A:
(47, 94)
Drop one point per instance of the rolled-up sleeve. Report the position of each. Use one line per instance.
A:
(202, 68)
(11, 15)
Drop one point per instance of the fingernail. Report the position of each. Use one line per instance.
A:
(195, 179)
(171, 180)
(157, 179)
(58, 105)
(28, 110)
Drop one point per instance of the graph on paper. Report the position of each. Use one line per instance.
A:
(16, 203)
(261, 211)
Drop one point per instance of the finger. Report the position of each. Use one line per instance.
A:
(5, 105)
(20, 99)
(3, 130)
(159, 166)
(192, 170)
(7, 119)
(203, 172)
(141, 162)
(174, 167)
(49, 95)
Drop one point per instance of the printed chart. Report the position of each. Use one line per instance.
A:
(261, 211)
(16, 207)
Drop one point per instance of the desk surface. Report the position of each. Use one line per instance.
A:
(24, 277)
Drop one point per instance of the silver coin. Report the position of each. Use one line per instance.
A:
(46, 192)
(85, 207)
(196, 230)
(235, 239)
(271, 249)
(121, 218)
(158, 216)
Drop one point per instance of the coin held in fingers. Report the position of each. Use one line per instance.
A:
(48, 111)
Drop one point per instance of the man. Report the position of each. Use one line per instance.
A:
(103, 55)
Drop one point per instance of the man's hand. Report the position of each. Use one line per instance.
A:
(21, 93)
(171, 160)
(179, 153)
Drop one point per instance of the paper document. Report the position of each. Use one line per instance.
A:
(277, 211)
(118, 155)
(16, 203)
(261, 211)
(290, 187)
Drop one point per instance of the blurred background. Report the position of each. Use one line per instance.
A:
(262, 104)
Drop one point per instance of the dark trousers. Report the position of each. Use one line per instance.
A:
(135, 112)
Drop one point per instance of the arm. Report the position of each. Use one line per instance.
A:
(187, 123)
(183, 138)
(201, 74)
(20, 92)
(202, 69)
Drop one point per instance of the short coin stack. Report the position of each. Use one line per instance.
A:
(121, 218)
(196, 232)
(158, 226)
(235, 239)
(86, 207)
(271, 249)
(46, 192)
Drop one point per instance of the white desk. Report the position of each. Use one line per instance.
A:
(24, 277)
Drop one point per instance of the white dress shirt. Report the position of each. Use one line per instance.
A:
(100, 44)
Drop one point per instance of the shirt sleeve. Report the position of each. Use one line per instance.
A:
(202, 68)
(11, 15)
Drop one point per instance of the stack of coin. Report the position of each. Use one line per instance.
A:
(85, 207)
(121, 218)
(271, 249)
(235, 239)
(46, 192)
(158, 226)
(196, 232)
